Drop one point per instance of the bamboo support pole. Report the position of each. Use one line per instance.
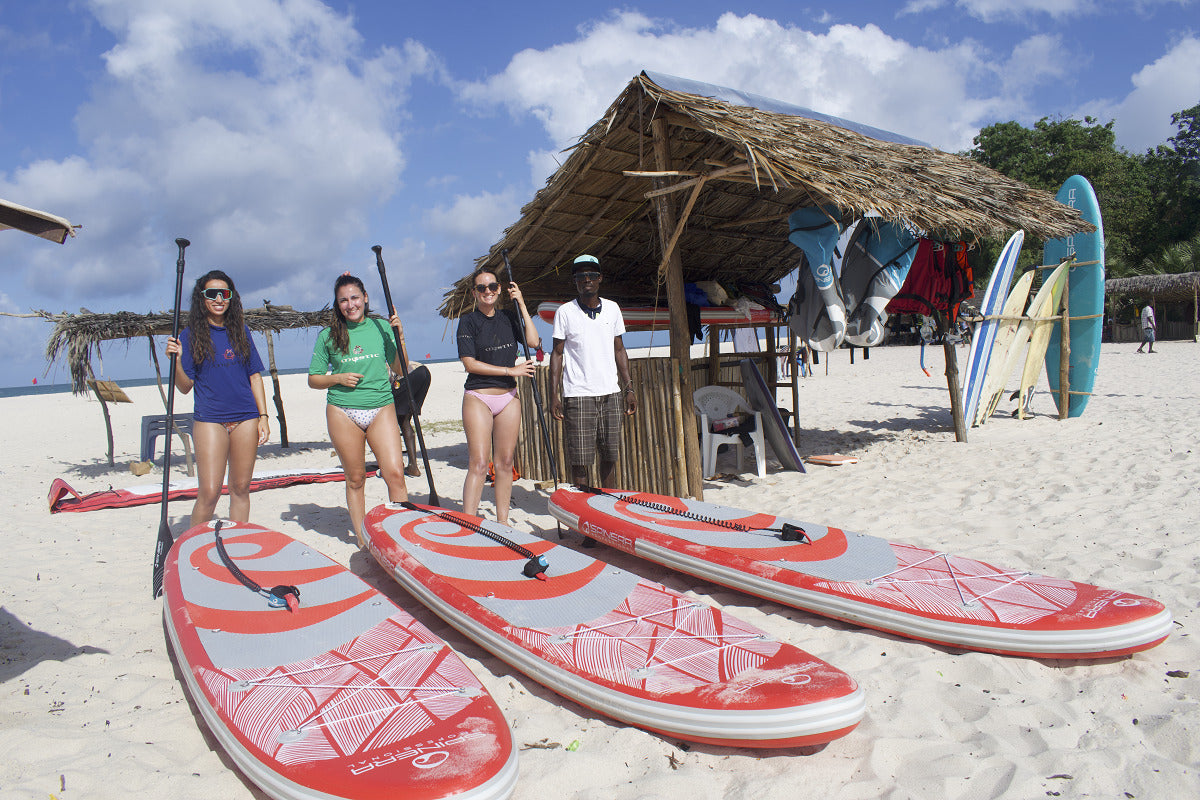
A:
(278, 398)
(1064, 359)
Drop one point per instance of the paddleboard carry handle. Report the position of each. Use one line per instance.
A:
(279, 597)
(535, 567)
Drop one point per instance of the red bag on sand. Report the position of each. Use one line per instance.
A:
(491, 476)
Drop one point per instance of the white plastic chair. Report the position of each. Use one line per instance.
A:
(716, 402)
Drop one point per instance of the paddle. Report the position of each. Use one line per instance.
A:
(537, 395)
(412, 401)
(165, 539)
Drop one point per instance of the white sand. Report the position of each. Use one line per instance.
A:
(90, 706)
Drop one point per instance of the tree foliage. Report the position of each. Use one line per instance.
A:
(1149, 202)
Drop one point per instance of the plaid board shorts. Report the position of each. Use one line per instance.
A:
(591, 424)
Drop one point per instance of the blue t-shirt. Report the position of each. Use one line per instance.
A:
(223, 381)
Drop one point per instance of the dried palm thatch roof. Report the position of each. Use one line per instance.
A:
(1171, 287)
(756, 166)
(79, 335)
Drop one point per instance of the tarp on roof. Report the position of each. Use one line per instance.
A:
(38, 223)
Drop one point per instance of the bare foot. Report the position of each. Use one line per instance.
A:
(413, 471)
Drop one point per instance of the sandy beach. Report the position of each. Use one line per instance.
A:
(91, 705)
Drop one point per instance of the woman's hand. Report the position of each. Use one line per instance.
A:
(173, 347)
(264, 429)
(394, 321)
(349, 379)
(524, 369)
(514, 292)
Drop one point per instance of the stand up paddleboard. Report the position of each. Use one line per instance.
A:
(985, 333)
(1085, 298)
(609, 640)
(893, 587)
(335, 693)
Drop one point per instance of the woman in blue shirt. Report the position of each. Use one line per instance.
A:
(218, 358)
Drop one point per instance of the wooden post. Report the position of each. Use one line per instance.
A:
(681, 337)
(952, 381)
(1064, 359)
(278, 398)
(794, 366)
(714, 354)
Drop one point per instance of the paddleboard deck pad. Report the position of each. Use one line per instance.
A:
(620, 645)
(890, 586)
(347, 696)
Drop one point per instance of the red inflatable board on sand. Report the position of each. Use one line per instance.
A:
(347, 696)
(64, 498)
(894, 587)
(609, 640)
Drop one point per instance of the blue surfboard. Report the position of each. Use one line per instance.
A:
(1085, 287)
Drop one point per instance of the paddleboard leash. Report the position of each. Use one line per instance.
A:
(278, 597)
(535, 567)
(788, 531)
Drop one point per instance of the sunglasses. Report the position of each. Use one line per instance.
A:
(587, 276)
(217, 294)
(487, 287)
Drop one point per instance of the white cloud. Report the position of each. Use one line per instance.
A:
(1168, 85)
(256, 128)
(938, 95)
(995, 10)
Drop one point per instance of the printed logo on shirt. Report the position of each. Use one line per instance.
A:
(358, 349)
(229, 355)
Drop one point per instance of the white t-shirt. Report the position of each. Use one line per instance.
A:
(1148, 317)
(589, 360)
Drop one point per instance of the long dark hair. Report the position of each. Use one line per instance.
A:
(235, 321)
(339, 332)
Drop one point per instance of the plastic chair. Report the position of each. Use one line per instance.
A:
(716, 402)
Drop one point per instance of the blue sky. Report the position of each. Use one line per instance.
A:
(284, 138)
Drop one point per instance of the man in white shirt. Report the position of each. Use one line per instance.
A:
(1149, 326)
(589, 375)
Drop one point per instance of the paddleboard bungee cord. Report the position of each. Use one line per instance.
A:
(788, 532)
(535, 567)
(279, 597)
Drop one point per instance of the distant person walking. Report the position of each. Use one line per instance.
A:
(218, 358)
(1149, 328)
(491, 412)
(588, 368)
(351, 360)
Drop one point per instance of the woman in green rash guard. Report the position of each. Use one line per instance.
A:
(351, 361)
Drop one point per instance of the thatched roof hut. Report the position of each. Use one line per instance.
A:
(1172, 288)
(78, 336)
(757, 160)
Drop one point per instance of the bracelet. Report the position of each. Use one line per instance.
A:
(629, 390)
(260, 416)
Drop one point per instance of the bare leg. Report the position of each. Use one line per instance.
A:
(212, 456)
(506, 427)
(384, 437)
(410, 446)
(477, 423)
(243, 450)
(608, 473)
(350, 443)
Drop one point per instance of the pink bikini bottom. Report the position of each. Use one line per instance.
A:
(495, 402)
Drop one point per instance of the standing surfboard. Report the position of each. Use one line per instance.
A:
(762, 399)
(1085, 298)
(1039, 336)
(1011, 334)
(623, 646)
(890, 586)
(985, 333)
(335, 693)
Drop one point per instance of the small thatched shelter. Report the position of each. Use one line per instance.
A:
(683, 181)
(1177, 288)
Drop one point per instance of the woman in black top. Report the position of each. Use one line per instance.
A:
(487, 347)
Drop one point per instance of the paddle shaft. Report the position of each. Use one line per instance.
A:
(163, 545)
(403, 359)
(537, 395)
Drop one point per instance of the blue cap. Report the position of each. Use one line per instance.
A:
(582, 262)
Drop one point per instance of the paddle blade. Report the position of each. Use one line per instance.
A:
(161, 548)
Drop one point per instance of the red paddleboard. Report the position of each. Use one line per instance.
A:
(347, 696)
(609, 640)
(890, 586)
(646, 317)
